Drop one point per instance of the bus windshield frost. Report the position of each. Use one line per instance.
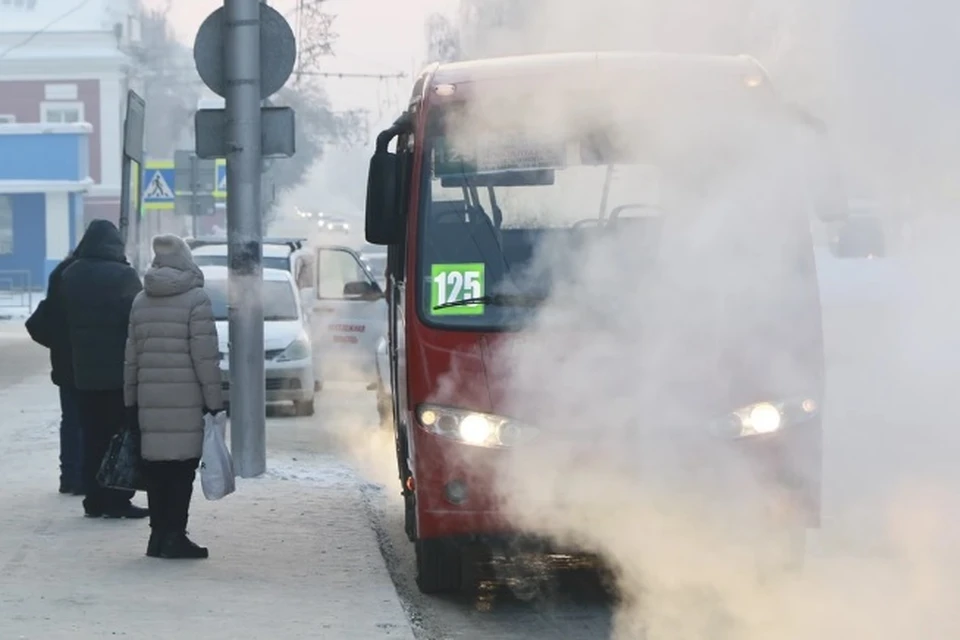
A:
(496, 188)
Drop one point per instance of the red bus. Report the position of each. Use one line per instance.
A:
(481, 175)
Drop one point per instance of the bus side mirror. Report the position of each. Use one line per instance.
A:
(383, 215)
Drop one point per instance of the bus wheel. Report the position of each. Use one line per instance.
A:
(439, 564)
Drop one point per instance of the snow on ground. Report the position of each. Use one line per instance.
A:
(292, 554)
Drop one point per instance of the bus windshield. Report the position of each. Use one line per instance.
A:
(495, 194)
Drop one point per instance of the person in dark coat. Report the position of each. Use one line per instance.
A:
(47, 327)
(98, 291)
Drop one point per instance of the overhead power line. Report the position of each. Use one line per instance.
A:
(44, 28)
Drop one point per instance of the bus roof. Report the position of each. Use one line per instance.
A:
(587, 63)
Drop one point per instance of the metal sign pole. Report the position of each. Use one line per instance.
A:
(245, 52)
(126, 176)
(245, 235)
(137, 216)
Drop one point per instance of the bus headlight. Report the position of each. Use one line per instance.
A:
(472, 427)
(764, 418)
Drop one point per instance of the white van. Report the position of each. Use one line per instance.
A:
(348, 315)
(288, 359)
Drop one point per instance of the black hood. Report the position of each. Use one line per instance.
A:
(101, 241)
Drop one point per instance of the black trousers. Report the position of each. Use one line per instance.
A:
(169, 489)
(101, 416)
(71, 441)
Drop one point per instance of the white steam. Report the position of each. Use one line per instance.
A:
(605, 370)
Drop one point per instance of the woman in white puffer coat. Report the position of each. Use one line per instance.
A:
(171, 378)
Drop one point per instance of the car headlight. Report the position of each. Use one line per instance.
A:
(764, 418)
(299, 349)
(473, 428)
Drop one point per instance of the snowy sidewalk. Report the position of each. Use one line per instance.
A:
(289, 558)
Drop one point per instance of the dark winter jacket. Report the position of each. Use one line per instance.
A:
(48, 327)
(98, 290)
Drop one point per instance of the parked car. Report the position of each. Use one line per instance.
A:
(291, 375)
(287, 254)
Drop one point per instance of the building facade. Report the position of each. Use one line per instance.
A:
(44, 174)
(63, 63)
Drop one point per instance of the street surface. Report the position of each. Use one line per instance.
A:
(20, 357)
(292, 553)
(316, 548)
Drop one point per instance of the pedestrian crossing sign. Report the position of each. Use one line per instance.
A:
(158, 186)
(221, 189)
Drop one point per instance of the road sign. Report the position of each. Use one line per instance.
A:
(195, 180)
(133, 125)
(278, 51)
(193, 174)
(158, 185)
(277, 132)
(221, 189)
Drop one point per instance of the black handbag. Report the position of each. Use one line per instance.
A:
(122, 466)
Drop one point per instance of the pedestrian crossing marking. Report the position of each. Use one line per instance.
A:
(157, 188)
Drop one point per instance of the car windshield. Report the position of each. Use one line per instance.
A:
(495, 195)
(279, 301)
(220, 260)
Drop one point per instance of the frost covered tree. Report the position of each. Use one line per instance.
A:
(443, 39)
(171, 85)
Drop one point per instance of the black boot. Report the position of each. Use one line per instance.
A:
(66, 487)
(128, 511)
(178, 545)
(155, 543)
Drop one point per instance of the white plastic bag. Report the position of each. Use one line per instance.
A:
(216, 466)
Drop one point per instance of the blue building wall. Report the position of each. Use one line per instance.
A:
(29, 240)
(44, 171)
(65, 213)
(43, 157)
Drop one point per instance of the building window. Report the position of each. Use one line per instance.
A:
(7, 118)
(6, 226)
(61, 112)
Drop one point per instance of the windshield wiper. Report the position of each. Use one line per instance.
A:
(497, 300)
